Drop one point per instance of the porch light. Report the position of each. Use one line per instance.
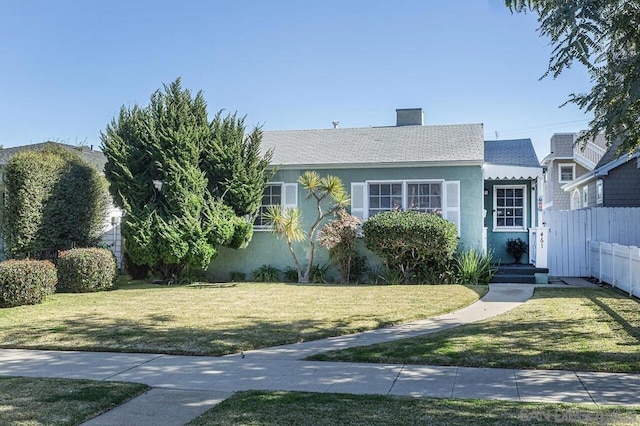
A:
(486, 192)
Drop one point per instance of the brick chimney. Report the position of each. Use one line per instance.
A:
(409, 117)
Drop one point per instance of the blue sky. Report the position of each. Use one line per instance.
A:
(67, 66)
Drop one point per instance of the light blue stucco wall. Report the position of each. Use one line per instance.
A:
(497, 241)
(265, 248)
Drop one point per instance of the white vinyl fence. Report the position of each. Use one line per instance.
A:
(617, 265)
(571, 231)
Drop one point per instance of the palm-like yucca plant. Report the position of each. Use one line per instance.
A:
(286, 223)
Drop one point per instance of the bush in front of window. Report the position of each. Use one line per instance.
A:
(418, 245)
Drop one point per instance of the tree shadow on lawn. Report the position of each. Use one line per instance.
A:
(528, 339)
(156, 335)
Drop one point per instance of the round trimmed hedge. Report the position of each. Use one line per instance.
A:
(84, 270)
(417, 245)
(26, 282)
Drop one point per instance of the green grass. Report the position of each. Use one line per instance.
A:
(216, 320)
(298, 408)
(27, 401)
(565, 329)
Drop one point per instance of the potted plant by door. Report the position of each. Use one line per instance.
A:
(516, 248)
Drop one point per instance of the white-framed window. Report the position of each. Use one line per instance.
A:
(275, 193)
(575, 199)
(599, 191)
(585, 196)
(423, 196)
(509, 207)
(435, 196)
(385, 196)
(566, 172)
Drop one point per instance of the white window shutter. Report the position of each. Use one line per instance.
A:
(452, 203)
(290, 195)
(359, 199)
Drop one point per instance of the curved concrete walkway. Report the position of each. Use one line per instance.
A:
(183, 387)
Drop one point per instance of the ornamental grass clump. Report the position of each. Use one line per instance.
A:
(85, 270)
(26, 282)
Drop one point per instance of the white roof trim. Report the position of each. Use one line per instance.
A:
(585, 178)
(604, 170)
(501, 172)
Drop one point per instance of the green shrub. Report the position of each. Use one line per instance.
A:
(26, 282)
(135, 271)
(415, 244)
(266, 274)
(55, 201)
(84, 270)
(319, 274)
(473, 267)
(237, 277)
(290, 274)
(381, 274)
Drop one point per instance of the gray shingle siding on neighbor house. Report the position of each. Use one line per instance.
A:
(621, 187)
(561, 145)
(378, 146)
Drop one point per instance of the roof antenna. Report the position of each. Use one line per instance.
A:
(335, 124)
(497, 134)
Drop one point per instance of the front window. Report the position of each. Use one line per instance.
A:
(566, 172)
(272, 196)
(406, 195)
(384, 197)
(424, 197)
(510, 207)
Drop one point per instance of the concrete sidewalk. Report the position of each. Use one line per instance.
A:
(183, 386)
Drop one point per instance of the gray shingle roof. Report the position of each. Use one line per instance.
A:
(377, 145)
(611, 154)
(96, 158)
(515, 152)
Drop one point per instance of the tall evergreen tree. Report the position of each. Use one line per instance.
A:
(162, 166)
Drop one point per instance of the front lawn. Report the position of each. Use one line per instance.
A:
(216, 320)
(299, 408)
(562, 329)
(27, 401)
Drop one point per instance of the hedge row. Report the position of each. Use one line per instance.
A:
(28, 282)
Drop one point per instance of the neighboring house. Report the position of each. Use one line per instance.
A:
(614, 182)
(566, 163)
(111, 234)
(409, 166)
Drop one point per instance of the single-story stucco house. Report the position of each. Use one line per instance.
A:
(487, 189)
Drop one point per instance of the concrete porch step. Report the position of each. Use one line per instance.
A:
(518, 273)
